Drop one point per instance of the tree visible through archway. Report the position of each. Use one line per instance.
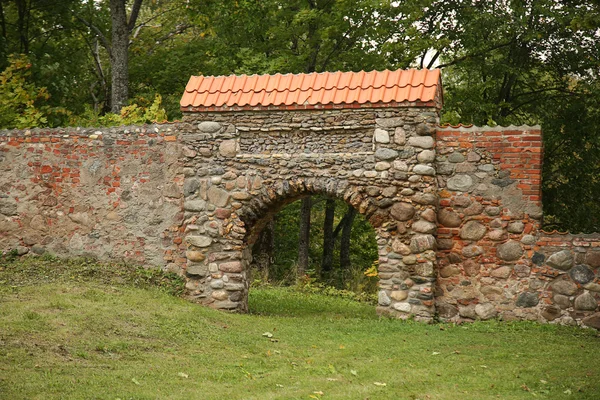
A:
(341, 248)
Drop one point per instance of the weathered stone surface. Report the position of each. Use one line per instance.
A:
(209, 126)
(381, 136)
(232, 267)
(424, 226)
(199, 241)
(501, 272)
(399, 295)
(383, 299)
(550, 313)
(425, 129)
(456, 157)
(527, 299)
(194, 205)
(421, 243)
(385, 154)
(592, 258)
(562, 301)
(472, 251)
(449, 271)
(400, 248)
(497, 235)
(509, 251)
(190, 186)
(446, 310)
(467, 311)
(472, 230)
(562, 260)
(471, 267)
(585, 302)
(564, 287)
(485, 311)
(402, 211)
(449, 218)
(582, 274)
(516, 227)
(426, 156)
(421, 169)
(593, 321)
(538, 258)
(400, 136)
(194, 255)
(382, 166)
(425, 198)
(218, 197)
(220, 295)
(227, 148)
(197, 270)
(8, 206)
(424, 142)
(460, 183)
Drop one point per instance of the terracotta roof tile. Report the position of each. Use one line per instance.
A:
(222, 93)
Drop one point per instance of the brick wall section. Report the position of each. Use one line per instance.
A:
(493, 259)
(114, 193)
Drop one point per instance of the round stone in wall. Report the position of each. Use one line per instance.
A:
(381, 136)
(582, 274)
(509, 251)
(564, 287)
(209, 126)
(485, 311)
(424, 226)
(586, 302)
(383, 298)
(421, 169)
(472, 230)
(385, 154)
(426, 156)
(562, 260)
(449, 218)
(527, 299)
(460, 183)
(402, 211)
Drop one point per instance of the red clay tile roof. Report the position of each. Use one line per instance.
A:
(316, 90)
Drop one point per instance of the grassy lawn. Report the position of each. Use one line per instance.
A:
(103, 334)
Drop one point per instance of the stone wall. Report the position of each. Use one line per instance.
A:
(114, 193)
(192, 197)
(242, 167)
(493, 259)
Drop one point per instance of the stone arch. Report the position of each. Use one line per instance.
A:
(406, 260)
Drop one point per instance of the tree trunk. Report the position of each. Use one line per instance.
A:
(262, 252)
(345, 239)
(119, 56)
(304, 237)
(22, 25)
(328, 238)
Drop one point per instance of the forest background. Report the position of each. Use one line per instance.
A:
(109, 62)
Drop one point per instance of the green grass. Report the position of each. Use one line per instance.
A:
(97, 338)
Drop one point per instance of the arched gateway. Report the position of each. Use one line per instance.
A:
(259, 142)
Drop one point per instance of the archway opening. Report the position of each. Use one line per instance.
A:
(339, 253)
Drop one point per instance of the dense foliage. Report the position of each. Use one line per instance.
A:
(504, 62)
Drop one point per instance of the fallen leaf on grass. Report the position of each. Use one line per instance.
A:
(568, 391)
(279, 386)
(379, 384)
(183, 375)
(354, 372)
(435, 353)
(135, 381)
(332, 379)
(525, 388)
(268, 334)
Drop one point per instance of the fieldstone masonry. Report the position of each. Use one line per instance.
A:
(456, 210)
